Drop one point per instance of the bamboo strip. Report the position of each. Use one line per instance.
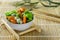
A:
(9, 37)
(10, 29)
(5, 34)
(4, 31)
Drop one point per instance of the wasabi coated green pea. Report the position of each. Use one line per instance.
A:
(17, 18)
(19, 21)
(14, 11)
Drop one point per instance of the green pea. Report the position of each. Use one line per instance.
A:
(17, 15)
(14, 11)
(29, 15)
(13, 14)
(8, 14)
(30, 19)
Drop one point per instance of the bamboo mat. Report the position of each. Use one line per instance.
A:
(50, 29)
(34, 35)
(5, 34)
(50, 10)
(47, 30)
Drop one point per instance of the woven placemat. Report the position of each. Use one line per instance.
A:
(5, 34)
(47, 29)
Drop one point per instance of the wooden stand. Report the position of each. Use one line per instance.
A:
(34, 27)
